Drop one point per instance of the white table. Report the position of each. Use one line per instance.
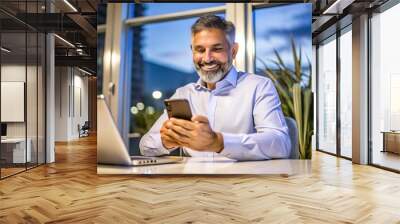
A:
(19, 149)
(217, 165)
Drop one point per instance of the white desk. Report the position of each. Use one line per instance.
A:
(19, 149)
(218, 165)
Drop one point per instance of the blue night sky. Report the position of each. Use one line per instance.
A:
(274, 28)
(168, 43)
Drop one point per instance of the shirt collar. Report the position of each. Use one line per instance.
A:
(231, 78)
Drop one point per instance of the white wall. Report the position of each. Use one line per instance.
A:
(62, 80)
(80, 100)
(71, 94)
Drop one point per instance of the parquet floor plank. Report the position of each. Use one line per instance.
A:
(70, 191)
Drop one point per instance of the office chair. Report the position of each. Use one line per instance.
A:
(84, 130)
(294, 138)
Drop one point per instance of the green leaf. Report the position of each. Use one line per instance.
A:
(293, 87)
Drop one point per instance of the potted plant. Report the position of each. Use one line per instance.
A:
(294, 89)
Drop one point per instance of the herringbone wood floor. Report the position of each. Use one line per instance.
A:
(70, 191)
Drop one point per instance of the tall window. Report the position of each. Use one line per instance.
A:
(346, 92)
(160, 64)
(283, 49)
(327, 95)
(100, 54)
(101, 20)
(284, 23)
(385, 88)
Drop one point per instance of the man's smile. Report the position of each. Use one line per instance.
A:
(209, 67)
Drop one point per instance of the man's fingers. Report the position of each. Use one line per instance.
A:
(175, 133)
(176, 136)
(200, 119)
(181, 131)
(171, 134)
(183, 123)
(168, 124)
(168, 139)
(169, 142)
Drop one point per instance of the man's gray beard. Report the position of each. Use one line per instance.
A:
(214, 77)
(211, 77)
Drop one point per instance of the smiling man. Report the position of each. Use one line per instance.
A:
(236, 114)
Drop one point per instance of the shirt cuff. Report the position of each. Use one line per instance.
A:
(164, 150)
(232, 145)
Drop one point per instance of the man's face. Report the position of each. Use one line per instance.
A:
(212, 54)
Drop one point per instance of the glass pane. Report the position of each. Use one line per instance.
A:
(385, 84)
(161, 64)
(327, 96)
(101, 19)
(281, 33)
(275, 33)
(13, 86)
(9, 24)
(41, 98)
(101, 13)
(152, 9)
(32, 86)
(100, 54)
(22, 87)
(346, 94)
(31, 98)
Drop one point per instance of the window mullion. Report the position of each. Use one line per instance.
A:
(236, 13)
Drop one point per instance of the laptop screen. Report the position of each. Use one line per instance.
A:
(3, 129)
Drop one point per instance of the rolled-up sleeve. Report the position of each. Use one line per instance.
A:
(271, 139)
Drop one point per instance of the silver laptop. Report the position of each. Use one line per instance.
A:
(111, 148)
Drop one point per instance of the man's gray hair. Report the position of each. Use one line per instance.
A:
(213, 21)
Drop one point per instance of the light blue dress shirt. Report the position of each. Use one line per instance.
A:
(244, 107)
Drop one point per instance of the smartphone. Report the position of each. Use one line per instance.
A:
(178, 108)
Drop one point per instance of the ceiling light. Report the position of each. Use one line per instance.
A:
(65, 41)
(70, 5)
(5, 50)
(338, 6)
(86, 72)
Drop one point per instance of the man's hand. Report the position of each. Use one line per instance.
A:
(166, 140)
(196, 134)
